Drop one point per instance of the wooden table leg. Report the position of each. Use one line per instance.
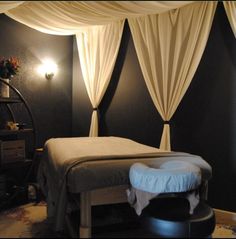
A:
(85, 215)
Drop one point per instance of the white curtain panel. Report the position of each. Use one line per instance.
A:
(169, 47)
(230, 8)
(67, 17)
(98, 47)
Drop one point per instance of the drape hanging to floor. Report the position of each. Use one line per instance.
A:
(98, 48)
(169, 48)
(230, 9)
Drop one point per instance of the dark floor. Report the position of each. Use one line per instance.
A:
(125, 233)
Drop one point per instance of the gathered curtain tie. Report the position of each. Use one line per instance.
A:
(96, 109)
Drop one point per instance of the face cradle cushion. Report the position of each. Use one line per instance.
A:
(170, 177)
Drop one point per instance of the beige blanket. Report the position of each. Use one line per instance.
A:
(65, 161)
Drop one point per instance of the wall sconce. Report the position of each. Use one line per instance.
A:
(48, 69)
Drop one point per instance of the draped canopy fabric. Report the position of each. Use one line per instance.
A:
(230, 8)
(68, 17)
(98, 48)
(8, 5)
(169, 49)
(169, 39)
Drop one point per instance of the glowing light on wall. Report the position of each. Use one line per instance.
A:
(48, 68)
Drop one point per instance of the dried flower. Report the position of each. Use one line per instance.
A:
(9, 67)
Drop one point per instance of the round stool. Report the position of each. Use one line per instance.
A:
(169, 217)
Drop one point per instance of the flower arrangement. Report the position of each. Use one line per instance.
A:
(9, 67)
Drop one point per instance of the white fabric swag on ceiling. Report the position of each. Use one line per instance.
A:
(8, 5)
(98, 48)
(67, 17)
(230, 9)
(169, 49)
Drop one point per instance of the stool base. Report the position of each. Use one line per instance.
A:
(169, 217)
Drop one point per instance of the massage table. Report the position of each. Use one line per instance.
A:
(97, 169)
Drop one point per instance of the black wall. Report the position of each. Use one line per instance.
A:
(50, 101)
(204, 123)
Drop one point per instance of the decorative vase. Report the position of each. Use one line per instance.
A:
(4, 89)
